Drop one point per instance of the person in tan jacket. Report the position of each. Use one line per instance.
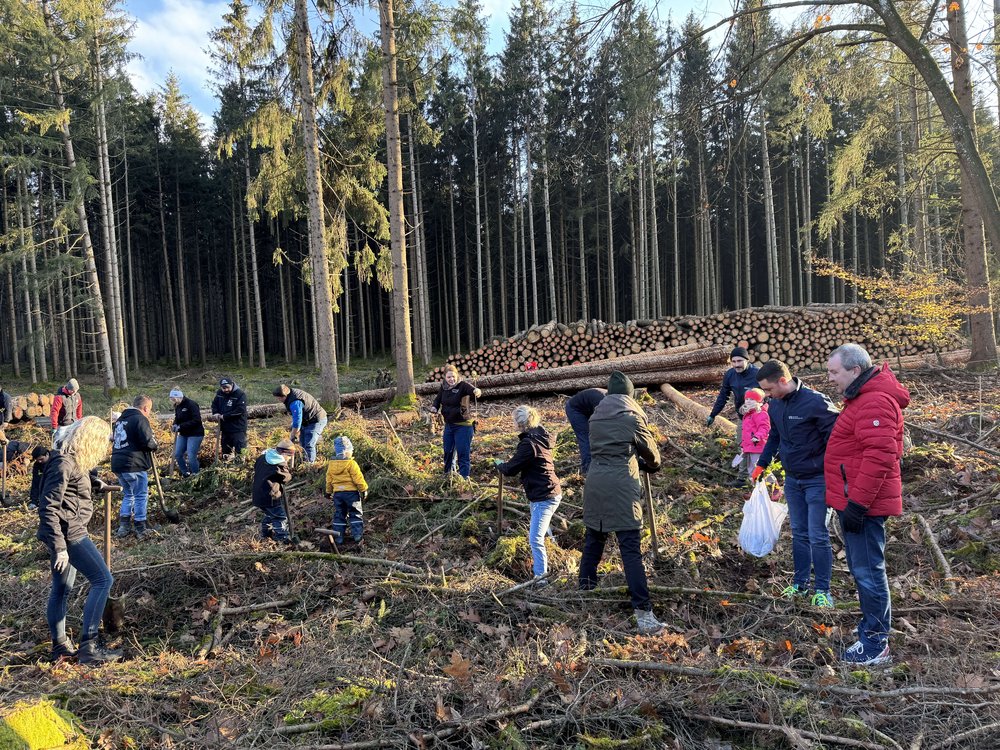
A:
(346, 485)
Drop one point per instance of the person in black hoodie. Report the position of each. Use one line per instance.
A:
(533, 461)
(6, 414)
(189, 430)
(131, 460)
(578, 411)
(229, 409)
(64, 509)
(40, 457)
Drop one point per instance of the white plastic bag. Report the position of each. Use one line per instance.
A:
(737, 460)
(762, 521)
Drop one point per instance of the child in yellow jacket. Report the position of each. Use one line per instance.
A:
(347, 486)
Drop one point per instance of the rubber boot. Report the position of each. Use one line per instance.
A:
(124, 527)
(92, 652)
(140, 529)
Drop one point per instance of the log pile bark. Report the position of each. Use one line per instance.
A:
(31, 406)
(800, 336)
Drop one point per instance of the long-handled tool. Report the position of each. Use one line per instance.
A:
(288, 519)
(499, 504)
(652, 515)
(3, 489)
(114, 608)
(218, 442)
(171, 515)
(173, 457)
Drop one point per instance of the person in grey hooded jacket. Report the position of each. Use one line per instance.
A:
(621, 445)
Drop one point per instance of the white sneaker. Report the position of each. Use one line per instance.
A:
(647, 622)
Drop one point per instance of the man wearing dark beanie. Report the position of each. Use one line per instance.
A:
(739, 379)
(621, 445)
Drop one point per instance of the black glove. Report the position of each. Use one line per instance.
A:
(643, 466)
(854, 517)
(708, 422)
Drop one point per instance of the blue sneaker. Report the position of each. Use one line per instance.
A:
(866, 656)
(822, 599)
(794, 591)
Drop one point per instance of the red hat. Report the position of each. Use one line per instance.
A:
(755, 394)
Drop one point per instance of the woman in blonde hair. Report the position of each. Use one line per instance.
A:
(533, 461)
(64, 508)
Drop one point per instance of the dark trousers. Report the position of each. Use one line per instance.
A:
(866, 560)
(83, 557)
(274, 524)
(347, 509)
(635, 573)
(233, 442)
(581, 428)
(458, 443)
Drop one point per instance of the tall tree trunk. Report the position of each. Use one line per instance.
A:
(254, 273)
(33, 306)
(127, 203)
(531, 231)
(456, 343)
(167, 276)
(420, 290)
(581, 246)
(984, 342)
(397, 220)
(490, 305)
(503, 264)
(97, 299)
(920, 186)
(182, 295)
(654, 234)
(770, 230)
(237, 332)
(612, 302)
(326, 356)
(479, 233)
(549, 249)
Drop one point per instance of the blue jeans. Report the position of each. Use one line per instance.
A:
(347, 508)
(188, 446)
(83, 557)
(866, 561)
(581, 428)
(135, 496)
(458, 439)
(309, 437)
(811, 550)
(274, 524)
(635, 573)
(541, 515)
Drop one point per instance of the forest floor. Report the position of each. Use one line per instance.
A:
(415, 640)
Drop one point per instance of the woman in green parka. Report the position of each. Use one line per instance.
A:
(621, 445)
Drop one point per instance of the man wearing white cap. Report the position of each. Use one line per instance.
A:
(67, 407)
(189, 431)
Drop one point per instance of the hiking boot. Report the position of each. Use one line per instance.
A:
(63, 649)
(144, 530)
(866, 656)
(794, 591)
(124, 528)
(647, 622)
(822, 599)
(92, 652)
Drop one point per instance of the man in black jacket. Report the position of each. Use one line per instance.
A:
(189, 430)
(308, 418)
(6, 414)
(739, 379)
(131, 460)
(229, 409)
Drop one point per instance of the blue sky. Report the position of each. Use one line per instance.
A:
(173, 35)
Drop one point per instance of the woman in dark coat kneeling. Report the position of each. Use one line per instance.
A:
(620, 444)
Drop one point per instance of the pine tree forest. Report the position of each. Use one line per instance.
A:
(617, 164)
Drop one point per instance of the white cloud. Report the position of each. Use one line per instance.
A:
(174, 35)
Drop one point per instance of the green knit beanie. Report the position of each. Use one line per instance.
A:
(619, 383)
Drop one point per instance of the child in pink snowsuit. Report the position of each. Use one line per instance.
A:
(756, 426)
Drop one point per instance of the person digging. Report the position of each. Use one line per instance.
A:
(270, 475)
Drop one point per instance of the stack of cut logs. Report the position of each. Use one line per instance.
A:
(31, 405)
(800, 336)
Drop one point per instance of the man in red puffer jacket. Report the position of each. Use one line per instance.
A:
(863, 484)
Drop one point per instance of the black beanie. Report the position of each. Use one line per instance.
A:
(619, 383)
(739, 351)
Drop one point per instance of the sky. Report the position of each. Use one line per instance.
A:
(174, 35)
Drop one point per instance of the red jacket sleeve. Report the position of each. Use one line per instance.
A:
(875, 430)
(54, 411)
(79, 407)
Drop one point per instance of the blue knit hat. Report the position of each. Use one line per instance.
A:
(342, 446)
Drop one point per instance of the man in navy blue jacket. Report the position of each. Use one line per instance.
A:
(801, 422)
(739, 379)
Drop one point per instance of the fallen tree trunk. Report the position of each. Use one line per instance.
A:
(693, 408)
(709, 374)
